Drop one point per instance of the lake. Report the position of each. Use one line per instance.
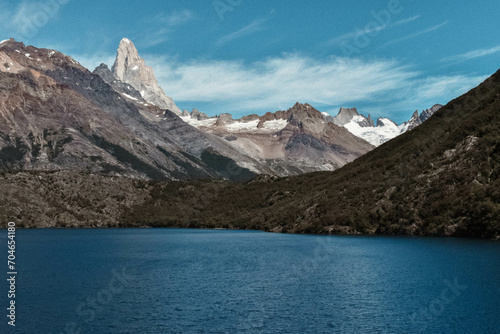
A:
(203, 281)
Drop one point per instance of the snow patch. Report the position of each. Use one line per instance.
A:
(27, 55)
(198, 123)
(238, 126)
(135, 68)
(6, 40)
(278, 124)
(129, 97)
(375, 135)
(51, 53)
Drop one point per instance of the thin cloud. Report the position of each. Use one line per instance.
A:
(358, 32)
(253, 27)
(153, 40)
(175, 19)
(406, 21)
(27, 18)
(165, 25)
(354, 34)
(417, 34)
(383, 87)
(472, 54)
(276, 83)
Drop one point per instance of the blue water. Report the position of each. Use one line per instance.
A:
(198, 281)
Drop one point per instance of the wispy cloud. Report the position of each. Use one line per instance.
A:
(405, 21)
(358, 32)
(472, 54)
(432, 88)
(26, 18)
(417, 34)
(253, 27)
(163, 25)
(176, 18)
(276, 83)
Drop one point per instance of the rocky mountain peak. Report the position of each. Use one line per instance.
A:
(130, 68)
(300, 110)
(16, 57)
(198, 115)
(223, 119)
(348, 111)
(427, 113)
(370, 120)
(418, 119)
(105, 73)
(381, 122)
(346, 115)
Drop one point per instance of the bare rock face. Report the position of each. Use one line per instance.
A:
(346, 115)
(58, 116)
(130, 68)
(224, 119)
(121, 87)
(418, 119)
(198, 115)
(287, 142)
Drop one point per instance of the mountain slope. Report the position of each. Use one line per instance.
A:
(381, 132)
(131, 69)
(288, 142)
(59, 116)
(56, 115)
(442, 178)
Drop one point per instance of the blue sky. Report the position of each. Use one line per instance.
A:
(386, 58)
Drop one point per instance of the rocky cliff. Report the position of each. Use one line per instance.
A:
(56, 115)
(287, 142)
(130, 68)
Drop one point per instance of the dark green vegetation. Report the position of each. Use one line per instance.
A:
(441, 178)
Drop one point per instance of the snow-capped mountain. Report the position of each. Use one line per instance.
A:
(62, 117)
(384, 130)
(418, 119)
(131, 69)
(289, 141)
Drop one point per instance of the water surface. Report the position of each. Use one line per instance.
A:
(200, 281)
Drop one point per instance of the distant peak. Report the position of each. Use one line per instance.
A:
(351, 111)
(126, 41)
(8, 40)
(12, 41)
(131, 69)
(126, 46)
(305, 108)
(103, 65)
(345, 115)
(301, 105)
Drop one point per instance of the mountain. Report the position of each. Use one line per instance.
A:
(261, 150)
(418, 119)
(346, 115)
(59, 116)
(82, 149)
(288, 142)
(442, 178)
(384, 130)
(131, 69)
